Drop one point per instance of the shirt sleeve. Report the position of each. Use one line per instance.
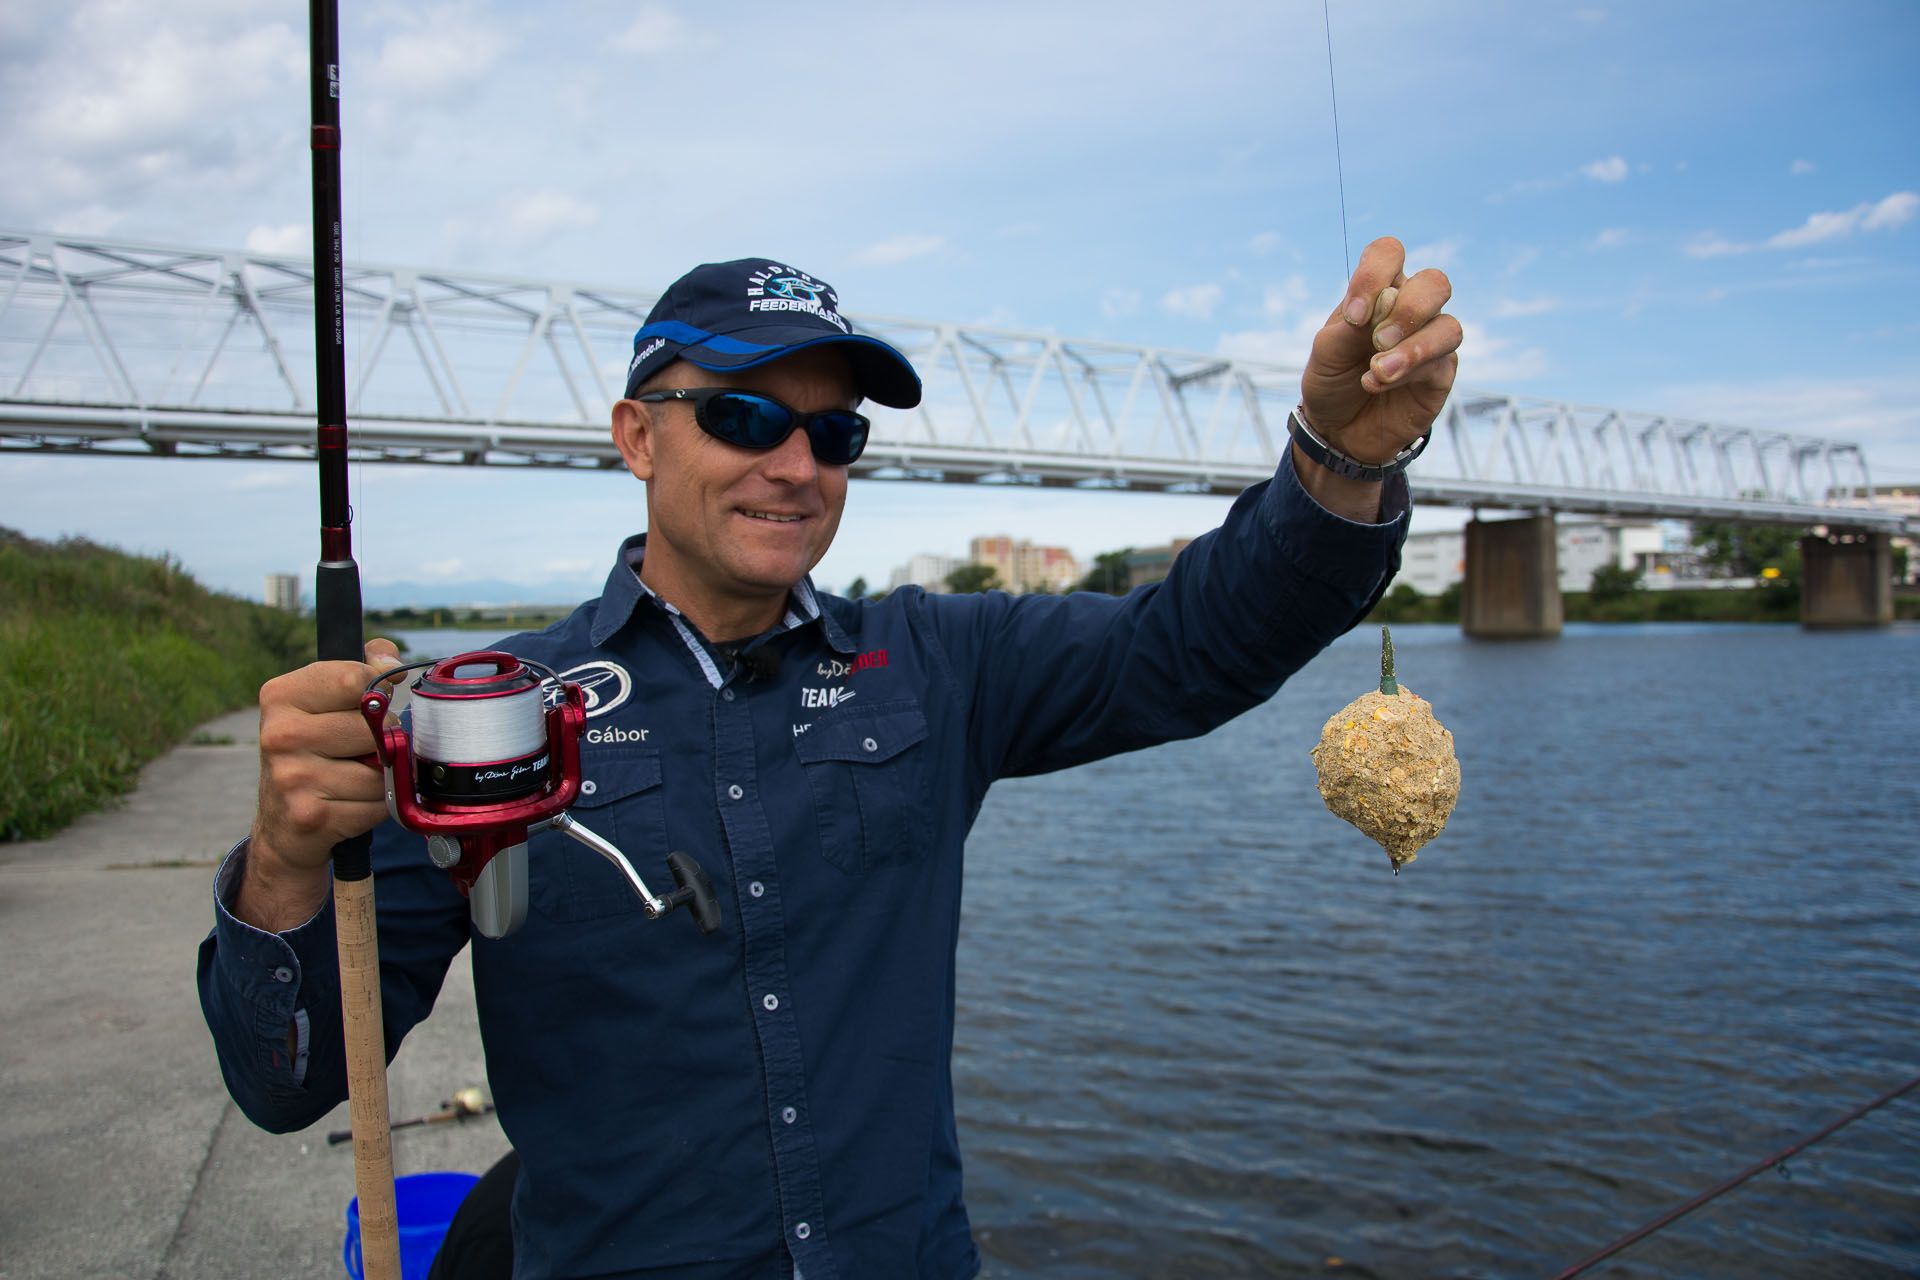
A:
(256, 987)
(1055, 681)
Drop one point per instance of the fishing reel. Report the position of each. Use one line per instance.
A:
(494, 757)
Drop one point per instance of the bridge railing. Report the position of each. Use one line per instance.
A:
(118, 346)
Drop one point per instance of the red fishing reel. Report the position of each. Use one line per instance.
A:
(493, 756)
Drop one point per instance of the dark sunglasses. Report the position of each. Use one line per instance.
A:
(753, 421)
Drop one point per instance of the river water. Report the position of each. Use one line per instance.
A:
(1673, 925)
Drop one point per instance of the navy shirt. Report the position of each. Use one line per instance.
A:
(779, 1093)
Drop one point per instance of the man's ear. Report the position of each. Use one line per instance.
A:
(633, 436)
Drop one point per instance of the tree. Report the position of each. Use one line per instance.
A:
(1749, 550)
(857, 589)
(1611, 582)
(1109, 573)
(970, 578)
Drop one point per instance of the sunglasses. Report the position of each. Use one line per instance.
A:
(753, 421)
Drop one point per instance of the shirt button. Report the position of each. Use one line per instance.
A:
(727, 694)
(283, 974)
(735, 791)
(803, 1231)
(756, 888)
(789, 1115)
(871, 745)
(770, 1002)
(588, 787)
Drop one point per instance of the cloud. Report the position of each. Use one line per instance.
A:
(655, 29)
(1440, 253)
(1118, 302)
(1801, 168)
(441, 52)
(1287, 345)
(1289, 295)
(534, 215)
(1195, 301)
(1506, 308)
(1882, 215)
(1610, 238)
(1265, 243)
(897, 249)
(289, 239)
(1486, 360)
(1612, 169)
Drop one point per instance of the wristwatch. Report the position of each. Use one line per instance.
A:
(1339, 463)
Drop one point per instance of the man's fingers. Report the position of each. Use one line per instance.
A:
(382, 652)
(1438, 339)
(1408, 308)
(1380, 266)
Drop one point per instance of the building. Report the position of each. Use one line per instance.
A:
(925, 570)
(1151, 564)
(283, 592)
(1662, 552)
(1024, 566)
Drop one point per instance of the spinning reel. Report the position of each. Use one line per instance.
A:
(493, 757)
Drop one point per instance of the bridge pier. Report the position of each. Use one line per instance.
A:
(1512, 588)
(1846, 579)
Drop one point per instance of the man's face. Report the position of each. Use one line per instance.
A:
(729, 527)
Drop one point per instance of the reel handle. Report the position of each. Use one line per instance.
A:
(693, 890)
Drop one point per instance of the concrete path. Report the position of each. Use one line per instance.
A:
(120, 1154)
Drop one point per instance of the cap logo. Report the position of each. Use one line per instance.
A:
(794, 287)
(640, 356)
(793, 291)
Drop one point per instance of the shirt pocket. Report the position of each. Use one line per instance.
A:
(620, 800)
(869, 783)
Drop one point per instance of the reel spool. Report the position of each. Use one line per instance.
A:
(494, 756)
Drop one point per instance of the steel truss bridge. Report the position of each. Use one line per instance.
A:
(111, 347)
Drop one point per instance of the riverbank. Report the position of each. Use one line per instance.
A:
(106, 660)
(1757, 604)
(128, 1157)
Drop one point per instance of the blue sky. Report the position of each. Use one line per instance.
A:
(1705, 209)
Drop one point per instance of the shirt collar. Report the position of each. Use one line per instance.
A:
(624, 591)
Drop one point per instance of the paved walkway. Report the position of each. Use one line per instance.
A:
(123, 1157)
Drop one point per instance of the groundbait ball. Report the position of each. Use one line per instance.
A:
(1387, 766)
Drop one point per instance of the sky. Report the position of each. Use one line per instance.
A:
(1701, 209)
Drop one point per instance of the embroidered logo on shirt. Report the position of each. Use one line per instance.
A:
(831, 696)
(605, 684)
(865, 662)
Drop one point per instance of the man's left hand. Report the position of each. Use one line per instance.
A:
(1375, 383)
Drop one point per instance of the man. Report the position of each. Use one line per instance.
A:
(775, 1100)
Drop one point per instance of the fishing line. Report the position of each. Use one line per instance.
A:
(1339, 167)
(1672, 1216)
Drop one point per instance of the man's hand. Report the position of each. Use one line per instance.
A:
(1378, 376)
(317, 786)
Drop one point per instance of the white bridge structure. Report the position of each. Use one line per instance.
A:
(118, 347)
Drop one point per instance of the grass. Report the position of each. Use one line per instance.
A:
(106, 660)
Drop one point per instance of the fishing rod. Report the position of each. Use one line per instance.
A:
(337, 623)
(1719, 1189)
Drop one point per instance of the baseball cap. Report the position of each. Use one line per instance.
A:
(739, 314)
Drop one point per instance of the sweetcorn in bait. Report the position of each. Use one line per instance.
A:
(1387, 766)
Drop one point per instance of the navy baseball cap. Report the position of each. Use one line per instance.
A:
(736, 315)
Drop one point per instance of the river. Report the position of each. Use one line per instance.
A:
(1673, 925)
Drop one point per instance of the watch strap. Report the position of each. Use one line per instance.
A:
(1339, 463)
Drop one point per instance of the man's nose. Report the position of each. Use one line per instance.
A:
(792, 461)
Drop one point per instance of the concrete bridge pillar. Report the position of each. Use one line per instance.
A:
(1846, 579)
(1512, 591)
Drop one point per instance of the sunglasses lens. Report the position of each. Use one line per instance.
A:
(837, 438)
(748, 421)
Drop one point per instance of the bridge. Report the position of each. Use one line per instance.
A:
(117, 347)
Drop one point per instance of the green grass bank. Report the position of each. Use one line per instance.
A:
(106, 660)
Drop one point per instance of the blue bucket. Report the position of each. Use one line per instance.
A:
(425, 1204)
